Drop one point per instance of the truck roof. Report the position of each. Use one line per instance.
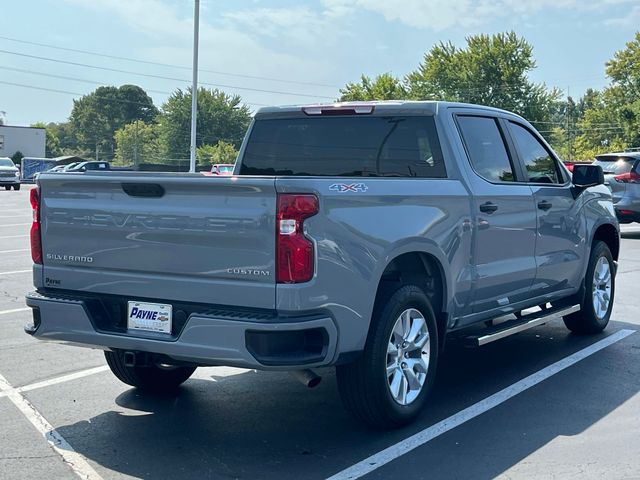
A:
(388, 106)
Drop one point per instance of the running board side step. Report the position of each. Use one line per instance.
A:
(521, 324)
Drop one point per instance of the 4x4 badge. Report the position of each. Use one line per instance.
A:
(349, 187)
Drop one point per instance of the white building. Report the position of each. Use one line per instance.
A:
(28, 140)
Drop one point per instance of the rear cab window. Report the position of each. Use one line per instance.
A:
(349, 145)
(486, 148)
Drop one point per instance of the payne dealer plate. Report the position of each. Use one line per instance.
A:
(149, 317)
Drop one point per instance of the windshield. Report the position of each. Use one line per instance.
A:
(389, 146)
(225, 169)
(5, 162)
(615, 165)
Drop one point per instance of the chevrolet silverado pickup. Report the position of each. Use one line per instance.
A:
(354, 235)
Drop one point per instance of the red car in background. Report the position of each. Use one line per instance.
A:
(220, 169)
(570, 165)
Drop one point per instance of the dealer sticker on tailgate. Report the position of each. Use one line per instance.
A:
(150, 317)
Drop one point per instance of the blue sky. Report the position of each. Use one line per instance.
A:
(321, 43)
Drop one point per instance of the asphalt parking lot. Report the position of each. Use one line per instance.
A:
(541, 404)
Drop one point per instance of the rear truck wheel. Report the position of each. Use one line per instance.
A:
(600, 285)
(152, 377)
(16, 187)
(7, 187)
(389, 384)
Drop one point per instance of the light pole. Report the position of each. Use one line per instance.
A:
(194, 87)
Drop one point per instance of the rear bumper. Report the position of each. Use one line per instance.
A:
(205, 339)
(628, 210)
(627, 215)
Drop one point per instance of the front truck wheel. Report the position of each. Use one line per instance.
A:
(600, 285)
(152, 377)
(389, 384)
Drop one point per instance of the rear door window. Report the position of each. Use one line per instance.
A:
(486, 149)
(538, 161)
(385, 146)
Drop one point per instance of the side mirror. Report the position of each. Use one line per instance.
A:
(82, 169)
(587, 176)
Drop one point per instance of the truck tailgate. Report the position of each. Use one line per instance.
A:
(175, 237)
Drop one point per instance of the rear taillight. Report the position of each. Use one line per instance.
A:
(36, 241)
(631, 177)
(294, 251)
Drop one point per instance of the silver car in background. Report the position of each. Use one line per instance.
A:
(9, 174)
(622, 176)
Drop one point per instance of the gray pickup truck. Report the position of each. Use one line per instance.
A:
(356, 235)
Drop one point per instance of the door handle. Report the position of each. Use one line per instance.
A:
(488, 207)
(544, 205)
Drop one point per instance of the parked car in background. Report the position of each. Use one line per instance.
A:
(86, 166)
(622, 176)
(223, 169)
(9, 174)
(62, 168)
(570, 165)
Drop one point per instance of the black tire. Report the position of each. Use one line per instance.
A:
(153, 377)
(586, 321)
(7, 187)
(364, 384)
(16, 187)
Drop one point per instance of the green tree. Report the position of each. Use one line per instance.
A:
(96, 117)
(137, 142)
(491, 70)
(220, 117)
(221, 152)
(52, 145)
(611, 118)
(383, 87)
(67, 140)
(16, 157)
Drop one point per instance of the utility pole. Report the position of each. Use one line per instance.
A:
(569, 153)
(194, 87)
(135, 147)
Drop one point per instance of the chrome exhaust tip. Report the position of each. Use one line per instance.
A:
(307, 377)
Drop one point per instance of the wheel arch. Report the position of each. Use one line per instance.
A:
(425, 270)
(608, 234)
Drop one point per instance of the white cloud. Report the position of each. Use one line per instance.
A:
(439, 15)
(232, 45)
(298, 22)
(631, 20)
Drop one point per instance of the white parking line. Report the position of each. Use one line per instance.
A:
(14, 310)
(14, 251)
(56, 380)
(73, 459)
(391, 453)
(15, 271)
(14, 236)
(16, 225)
(17, 216)
(63, 378)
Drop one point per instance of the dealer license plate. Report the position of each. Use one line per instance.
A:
(149, 317)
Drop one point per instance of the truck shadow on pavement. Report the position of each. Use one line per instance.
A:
(266, 425)
(630, 235)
